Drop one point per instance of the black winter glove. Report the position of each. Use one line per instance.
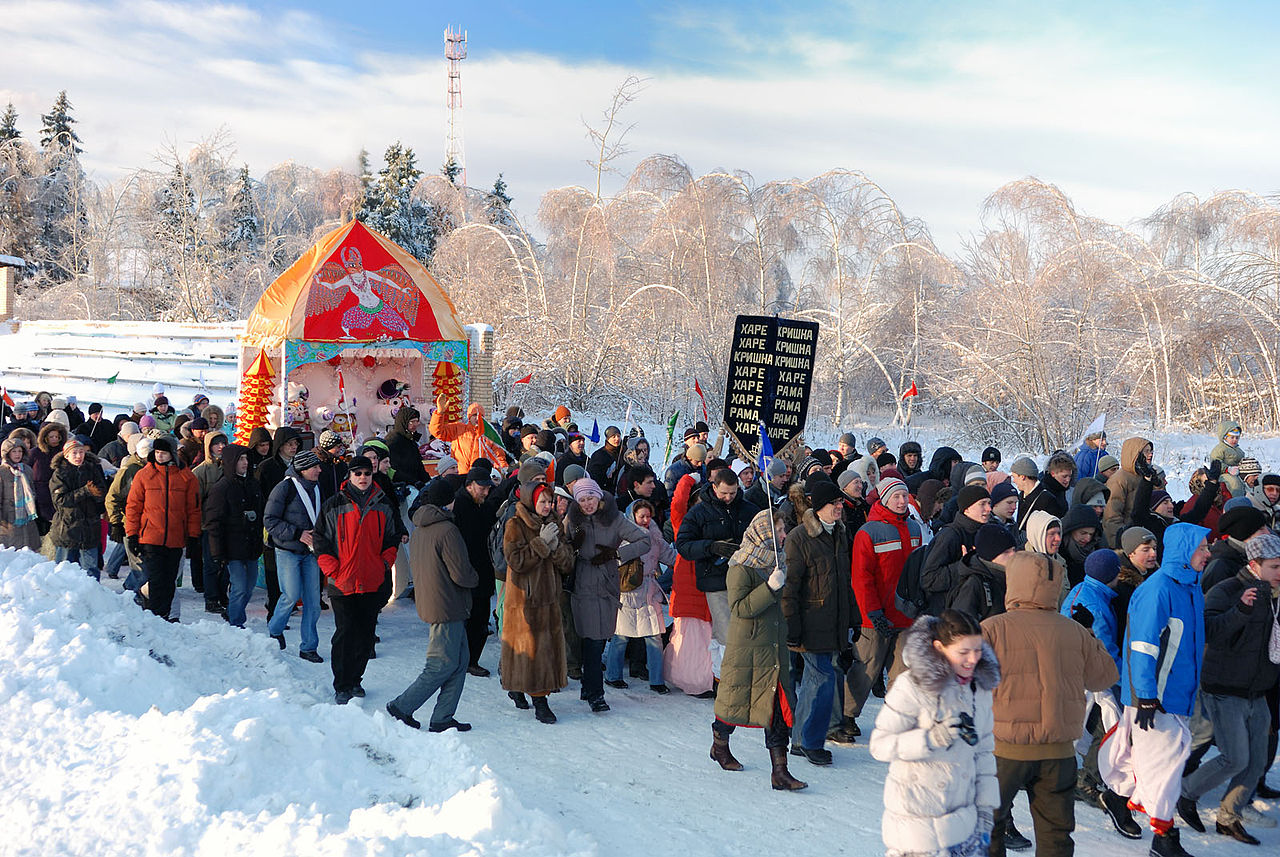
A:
(1142, 468)
(117, 533)
(134, 546)
(845, 660)
(724, 548)
(1215, 470)
(1147, 709)
(1083, 615)
(576, 538)
(604, 553)
(881, 623)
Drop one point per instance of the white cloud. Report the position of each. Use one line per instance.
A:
(1120, 138)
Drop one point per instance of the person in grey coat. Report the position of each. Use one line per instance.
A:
(443, 578)
(597, 531)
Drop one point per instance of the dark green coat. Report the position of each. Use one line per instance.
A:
(756, 660)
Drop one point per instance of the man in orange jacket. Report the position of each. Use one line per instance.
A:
(162, 516)
(466, 440)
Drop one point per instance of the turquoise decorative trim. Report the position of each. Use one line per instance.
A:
(300, 352)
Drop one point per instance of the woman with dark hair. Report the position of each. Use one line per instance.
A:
(936, 731)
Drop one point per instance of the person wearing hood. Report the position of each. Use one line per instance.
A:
(602, 538)
(1207, 501)
(1044, 536)
(635, 462)
(402, 445)
(1048, 662)
(78, 489)
(604, 464)
(910, 459)
(206, 574)
(17, 498)
(944, 565)
(936, 731)
(269, 473)
(292, 510)
(943, 459)
(1081, 536)
(755, 687)
(1228, 452)
(980, 591)
(1091, 452)
(1163, 655)
(443, 578)
(260, 448)
(232, 516)
(1240, 614)
(467, 441)
(880, 550)
(640, 613)
(49, 443)
(1124, 485)
(819, 607)
(1267, 497)
(162, 516)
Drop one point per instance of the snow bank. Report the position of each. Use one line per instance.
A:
(129, 735)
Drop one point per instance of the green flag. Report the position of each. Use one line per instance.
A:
(671, 431)
(113, 378)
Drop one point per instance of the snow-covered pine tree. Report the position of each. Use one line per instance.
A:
(391, 208)
(9, 125)
(56, 130)
(245, 228)
(497, 204)
(451, 170)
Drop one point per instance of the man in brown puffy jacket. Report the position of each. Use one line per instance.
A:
(1047, 662)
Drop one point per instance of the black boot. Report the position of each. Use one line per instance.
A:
(721, 755)
(519, 699)
(846, 733)
(1013, 840)
(1265, 791)
(542, 711)
(1168, 845)
(1190, 814)
(1117, 807)
(781, 778)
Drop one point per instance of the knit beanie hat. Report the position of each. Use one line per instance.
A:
(848, 439)
(887, 487)
(96, 408)
(1237, 503)
(1133, 537)
(969, 495)
(531, 470)
(1102, 565)
(584, 488)
(690, 432)
(143, 447)
(305, 459)
(846, 476)
(1158, 497)
(147, 422)
(440, 492)
(546, 440)
(1003, 491)
(198, 423)
(697, 453)
(778, 467)
(445, 463)
(976, 476)
(73, 442)
(562, 414)
(128, 429)
(1249, 467)
(329, 439)
(528, 429)
(1025, 466)
(1107, 462)
(991, 454)
(1240, 524)
(992, 540)
(360, 462)
(573, 473)
(823, 493)
(874, 445)
(1265, 546)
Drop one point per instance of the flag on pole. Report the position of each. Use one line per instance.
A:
(525, 380)
(911, 392)
(766, 453)
(697, 388)
(113, 378)
(671, 431)
(491, 444)
(5, 397)
(626, 423)
(594, 437)
(342, 391)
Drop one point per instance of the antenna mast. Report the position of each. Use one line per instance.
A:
(455, 51)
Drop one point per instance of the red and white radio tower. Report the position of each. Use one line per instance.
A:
(455, 51)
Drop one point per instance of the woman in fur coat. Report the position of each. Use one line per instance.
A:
(936, 732)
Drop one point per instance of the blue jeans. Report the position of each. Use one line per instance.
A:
(814, 698)
(445, 671)
(299, 576)
(615, 653)
(115, 558)
(243, 574)
(86, 557)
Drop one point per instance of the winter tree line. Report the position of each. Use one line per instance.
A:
(1046, 316)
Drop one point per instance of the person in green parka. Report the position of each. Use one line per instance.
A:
(755, 676)
(1228, 451)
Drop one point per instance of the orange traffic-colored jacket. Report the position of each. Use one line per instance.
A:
(466, 440)
(163, 507)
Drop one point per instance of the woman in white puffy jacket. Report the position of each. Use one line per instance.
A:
(935, 731)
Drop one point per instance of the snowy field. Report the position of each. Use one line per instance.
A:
(125, 735)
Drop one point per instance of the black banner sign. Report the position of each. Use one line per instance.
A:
(770, 374)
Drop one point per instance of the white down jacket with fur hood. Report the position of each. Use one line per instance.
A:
(932, 796)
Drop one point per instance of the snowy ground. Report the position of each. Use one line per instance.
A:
(126, 735)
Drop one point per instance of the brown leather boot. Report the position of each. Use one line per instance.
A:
(781, 777)
(720, 753)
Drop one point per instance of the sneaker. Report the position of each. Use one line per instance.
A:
(821, 758)
(449, 724)
(1256, 818)
(357, 691)
(312, 656)
(660, 689)
(478, 671)
(341, 697)
(618, 683)
(1190, 814)
(1117, 808)
(279, 638)
(599, 706)
(1237, 832)
(406, 719)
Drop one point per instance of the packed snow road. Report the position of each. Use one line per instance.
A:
(123, 734)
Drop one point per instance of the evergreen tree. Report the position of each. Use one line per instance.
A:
(245, 224)
(9, 125)
(391, 208)
(497, 203)
(365, 171)
(56, 132)
(451, 171)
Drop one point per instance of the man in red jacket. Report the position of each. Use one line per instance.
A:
(880, 550)
(355, 543)
(162, 516)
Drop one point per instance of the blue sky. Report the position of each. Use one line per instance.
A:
(1124, 105)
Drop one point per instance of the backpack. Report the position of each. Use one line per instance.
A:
(910, 597)
(506, 512)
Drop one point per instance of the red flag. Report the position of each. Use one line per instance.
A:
(912, 392)
(342, 390)
(525, 380)
(4, 394)
(697, 388)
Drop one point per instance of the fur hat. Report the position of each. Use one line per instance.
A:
(1102, 565)
(1271, 479)
(1133, 537)
(1025, 466)
(969, 495)
(528, 429)
(1240, 524)
(993, 540)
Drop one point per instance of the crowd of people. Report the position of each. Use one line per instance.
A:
(1070, 632)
